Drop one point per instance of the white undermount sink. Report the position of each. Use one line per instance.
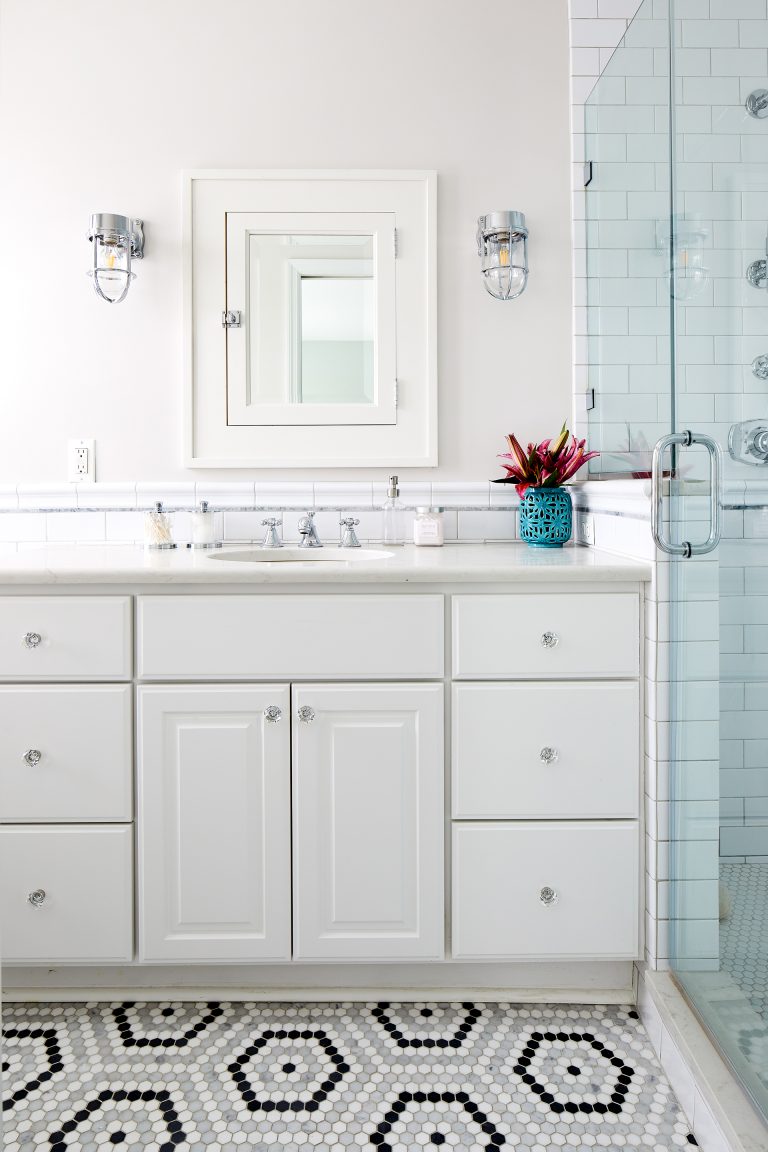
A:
(301, 555)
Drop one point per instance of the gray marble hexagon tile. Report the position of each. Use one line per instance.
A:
(388, 1076)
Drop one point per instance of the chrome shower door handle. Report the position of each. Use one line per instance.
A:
(686, 440)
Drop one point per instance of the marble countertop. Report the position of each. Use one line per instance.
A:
(454, 563)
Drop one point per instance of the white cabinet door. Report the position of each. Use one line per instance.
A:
(66, 752)
(66, 893)
(368, 822)
(558, 891)
(546, 751)
(214, 823)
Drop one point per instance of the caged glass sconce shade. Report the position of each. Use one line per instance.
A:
(502, 245)
(115, 242)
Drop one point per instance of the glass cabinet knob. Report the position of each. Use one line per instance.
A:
(306, 714)
(273, 714)
(548, 755)
(550, 639)
(33, 756)
(33, 640)
(37, 897)
(548, 897)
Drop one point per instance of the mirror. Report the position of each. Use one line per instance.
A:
(311, 319)
(326, 349)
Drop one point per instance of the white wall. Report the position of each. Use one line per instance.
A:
(104, 103)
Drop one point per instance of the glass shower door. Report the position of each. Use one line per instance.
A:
(718, 602)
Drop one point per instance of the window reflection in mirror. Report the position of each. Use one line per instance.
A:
(312, 309)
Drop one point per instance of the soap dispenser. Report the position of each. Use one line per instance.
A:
(393, 515)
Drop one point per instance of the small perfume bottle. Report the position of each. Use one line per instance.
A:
(392, 511)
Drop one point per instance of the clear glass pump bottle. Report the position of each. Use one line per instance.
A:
(392, 510)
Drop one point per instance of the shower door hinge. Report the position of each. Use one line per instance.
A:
(587, 173)
(589, 396)
(395, 243)
(397, 391)
(231, 319)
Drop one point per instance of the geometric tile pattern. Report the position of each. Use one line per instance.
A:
(744, 932)
(399, 1077)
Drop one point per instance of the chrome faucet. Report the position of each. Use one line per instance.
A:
(308, 532)
(272, 535)
(349, 538)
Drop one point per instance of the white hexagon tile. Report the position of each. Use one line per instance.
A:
(388, 1076)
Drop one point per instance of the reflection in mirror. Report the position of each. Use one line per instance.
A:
(311, 310)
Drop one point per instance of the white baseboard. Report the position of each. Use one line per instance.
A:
(583, 983)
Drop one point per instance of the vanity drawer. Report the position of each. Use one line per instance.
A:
(65, 752)
(532, 637)
(546, 751)
(65, 638)
(319, 637)
(504, 876)
(86, 908)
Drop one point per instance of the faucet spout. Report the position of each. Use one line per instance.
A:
(308, 532)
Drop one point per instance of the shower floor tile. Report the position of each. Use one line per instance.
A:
(388, 1076)
(744, 933)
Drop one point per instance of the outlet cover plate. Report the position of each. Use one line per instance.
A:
(81, 461)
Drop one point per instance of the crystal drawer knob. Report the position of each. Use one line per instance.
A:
(548, 755)
(33, 640)
(273, 714)
(33, 756)
(549, 639)
(37, 897)
(306, 714)
(548, 897)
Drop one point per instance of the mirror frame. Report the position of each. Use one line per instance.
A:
(209, 441)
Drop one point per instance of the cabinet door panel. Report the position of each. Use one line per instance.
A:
(546, 891)
(546, 751)
(66, 752)
(368, 822)
(214, 809)
(82, 882)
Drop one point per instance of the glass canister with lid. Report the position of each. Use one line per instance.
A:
(428, 530)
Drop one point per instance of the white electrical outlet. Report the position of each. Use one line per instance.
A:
(586, 533)
(81, 461)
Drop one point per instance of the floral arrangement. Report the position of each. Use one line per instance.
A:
(546, 465)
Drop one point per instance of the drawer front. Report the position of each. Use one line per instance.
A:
(65, 638)
(65, 752)
(81, 881)
(546, 751)
(323, 637)
(503, 875)
(546, 637)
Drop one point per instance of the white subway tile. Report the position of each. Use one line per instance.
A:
(22, 526)
(713, 33)
(586, 33)
(75, 526)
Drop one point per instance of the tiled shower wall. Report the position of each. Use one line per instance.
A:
(744, 672)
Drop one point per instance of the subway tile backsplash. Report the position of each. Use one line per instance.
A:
(114, 513)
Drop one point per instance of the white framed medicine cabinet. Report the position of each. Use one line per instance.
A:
(310, 319)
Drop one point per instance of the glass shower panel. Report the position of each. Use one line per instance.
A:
(719, 603)
(628, 224)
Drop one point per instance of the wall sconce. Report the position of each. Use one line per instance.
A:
(502, 245)
(115, 241)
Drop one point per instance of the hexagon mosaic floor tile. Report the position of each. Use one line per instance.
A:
(388, 1076)
(744, 933)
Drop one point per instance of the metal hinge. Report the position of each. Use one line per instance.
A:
(587, 173)
(231, 319)
(397, 391)
(395, 243)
